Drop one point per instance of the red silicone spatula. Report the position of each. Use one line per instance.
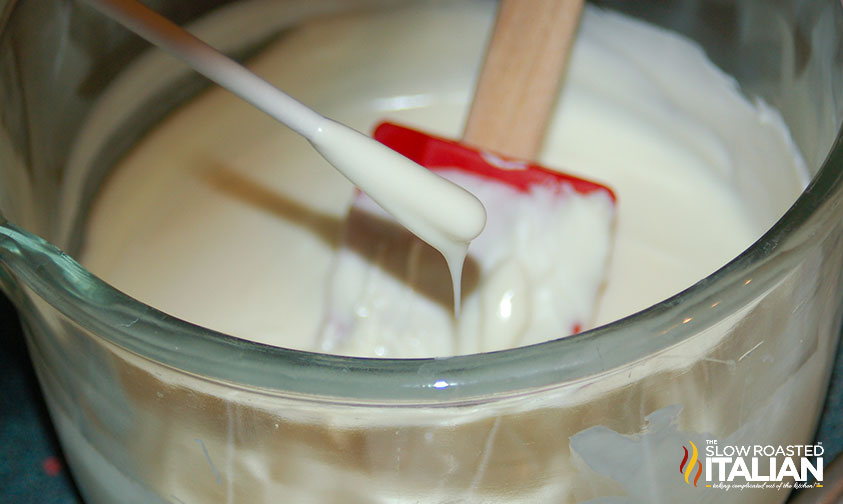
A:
(512, 103)
(386, 291)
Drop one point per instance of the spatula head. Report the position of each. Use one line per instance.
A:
(533, 274)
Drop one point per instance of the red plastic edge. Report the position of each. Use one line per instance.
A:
(436, 153)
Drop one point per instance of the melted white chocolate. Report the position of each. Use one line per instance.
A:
(438, 212)
(532, 274)
(226, 219)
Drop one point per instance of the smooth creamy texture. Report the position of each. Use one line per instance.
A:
(221, 200)
(440, 213)
(532, 274)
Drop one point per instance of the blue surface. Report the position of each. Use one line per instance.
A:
(27, 438)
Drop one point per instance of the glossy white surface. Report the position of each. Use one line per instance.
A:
(226, 219)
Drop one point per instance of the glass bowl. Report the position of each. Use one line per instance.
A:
(150, 408)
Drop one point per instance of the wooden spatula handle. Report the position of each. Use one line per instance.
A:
(520, 77)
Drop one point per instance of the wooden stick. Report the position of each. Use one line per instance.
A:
(520, 78)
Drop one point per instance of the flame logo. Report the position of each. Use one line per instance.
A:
(687, 470)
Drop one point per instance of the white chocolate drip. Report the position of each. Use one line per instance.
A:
(441, 213)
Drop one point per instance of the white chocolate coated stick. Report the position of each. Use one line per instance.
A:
(439, 212)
